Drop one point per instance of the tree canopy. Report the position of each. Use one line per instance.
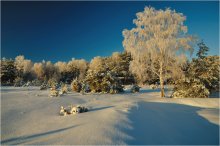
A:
(158, 43)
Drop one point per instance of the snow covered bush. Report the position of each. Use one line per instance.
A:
(54, 92)
(116, 89)
(43, 86)
(135, 88)
(18, 82)
(72, 110)
(36, 82)
(190, 88)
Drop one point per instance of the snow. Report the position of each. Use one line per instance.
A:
(30, 116)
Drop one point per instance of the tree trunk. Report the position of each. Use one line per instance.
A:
(161, 81)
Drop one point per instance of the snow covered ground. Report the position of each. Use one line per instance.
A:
(29, 116)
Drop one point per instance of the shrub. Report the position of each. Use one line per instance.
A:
(44, 86)
(18, 82)
(36, 82)
(54, 92)
(190, 88)
(135, 88)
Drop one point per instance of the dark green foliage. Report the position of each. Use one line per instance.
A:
(68, 76)
(203, 49)
(201, 76)
(105, 82)
(106, 77)
(29, 76)
(190, 88)
(8, 71)
(206, 70)
(120, 66)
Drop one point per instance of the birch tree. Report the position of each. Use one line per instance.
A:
(159, 38)
(23, 65)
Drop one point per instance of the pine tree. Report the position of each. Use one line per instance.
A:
(102, 75)
(201, 76)
(8, 71)
(203, 49)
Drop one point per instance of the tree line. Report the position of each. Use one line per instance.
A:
(156, 51)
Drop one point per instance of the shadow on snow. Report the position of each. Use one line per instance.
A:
(23, 139)
(155, 123)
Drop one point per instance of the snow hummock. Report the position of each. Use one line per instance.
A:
(30, 116)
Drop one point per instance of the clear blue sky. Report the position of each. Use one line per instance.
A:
(59, 31)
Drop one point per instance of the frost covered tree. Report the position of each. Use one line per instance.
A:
(51, 72)
(62, 68)
(97, 64)
(39, 70)
(8, 71)
(159, 37)
(76, 69)
(24, 68)
(82, 66)
(46, 71)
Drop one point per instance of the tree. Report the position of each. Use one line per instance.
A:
(119, 64)
(76, 69)
(24, 67)
(8, 71)
(203, 49)
(51, 72)
(39, 70)
(201, 76)
(102, 76)
(62, 68)
(206, 70)
(158, 38)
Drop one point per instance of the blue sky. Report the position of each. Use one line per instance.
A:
(60, 31)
